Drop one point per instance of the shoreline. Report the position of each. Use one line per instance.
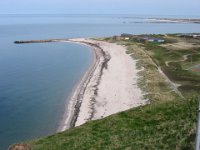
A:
(108, 86)
(75, 99)
(173, 20)
(88, 100)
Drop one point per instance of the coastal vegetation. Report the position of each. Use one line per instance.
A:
(170, 78)
(166, 125)
(178, 59)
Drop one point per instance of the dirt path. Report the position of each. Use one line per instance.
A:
(185, 57)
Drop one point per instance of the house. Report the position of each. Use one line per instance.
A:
(157, 40)
(141, 38)
(149, 39)
(196, 36)
(117, 37)
(189, 35)
(126, 38)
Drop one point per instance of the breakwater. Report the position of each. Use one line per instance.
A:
(38, 41)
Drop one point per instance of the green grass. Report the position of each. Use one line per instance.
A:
(176, 70)
(167, 125)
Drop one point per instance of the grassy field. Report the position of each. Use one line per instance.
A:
(176, 64)
(167, 122)
(166, 125)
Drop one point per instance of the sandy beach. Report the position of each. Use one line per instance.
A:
(109, 86)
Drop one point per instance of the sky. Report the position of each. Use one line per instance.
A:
(153, 7)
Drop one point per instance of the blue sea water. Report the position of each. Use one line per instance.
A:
(35, 82)
(36, 79)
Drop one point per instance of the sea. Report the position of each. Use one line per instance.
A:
(37, 79)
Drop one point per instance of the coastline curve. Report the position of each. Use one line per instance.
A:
(99, 61)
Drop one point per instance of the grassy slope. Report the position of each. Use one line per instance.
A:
(177, 71)
(166, 125)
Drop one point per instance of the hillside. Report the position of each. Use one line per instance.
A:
(167, 125)
(170, 77)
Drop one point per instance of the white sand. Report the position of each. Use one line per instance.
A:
(117, 90)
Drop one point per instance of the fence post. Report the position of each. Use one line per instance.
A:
(198, 130)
